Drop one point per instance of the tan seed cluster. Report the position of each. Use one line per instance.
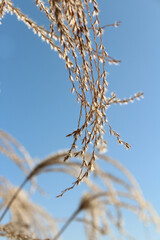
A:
(76, 34)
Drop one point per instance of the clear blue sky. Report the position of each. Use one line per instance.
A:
(36, 106)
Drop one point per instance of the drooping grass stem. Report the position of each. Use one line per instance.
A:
(14, 197)
(67, 224)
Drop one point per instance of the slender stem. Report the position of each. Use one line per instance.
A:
(14, 197)
(66, 224)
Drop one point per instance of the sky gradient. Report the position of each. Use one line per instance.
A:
(36, 106)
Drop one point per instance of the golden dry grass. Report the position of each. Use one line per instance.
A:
(103, 191)
(75, 32)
